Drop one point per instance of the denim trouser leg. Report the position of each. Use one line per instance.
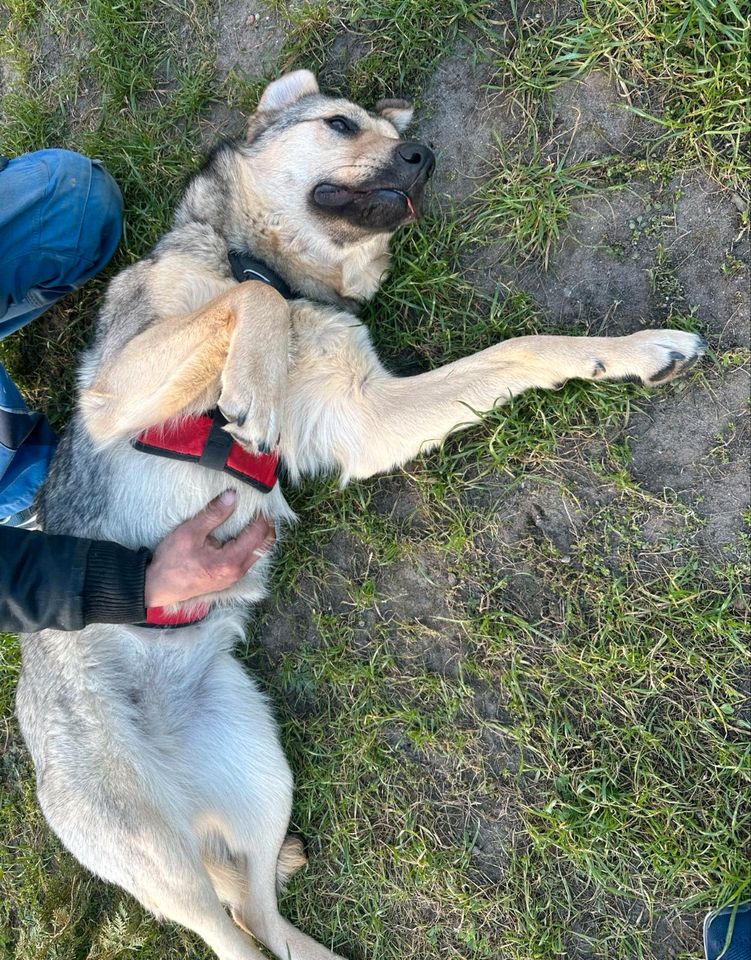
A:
(727, 933)
(60, 224)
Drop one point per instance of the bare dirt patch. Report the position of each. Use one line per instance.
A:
(247, 42)
(464, 120)
(249, 38)
(636, 256)
(592, 117)
(695, 443)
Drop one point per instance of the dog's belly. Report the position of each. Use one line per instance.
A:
(114, 714)
(149, 496)
(120, 720)
(114, 680)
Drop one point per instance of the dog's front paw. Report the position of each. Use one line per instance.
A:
(252, 419)
(654, 357)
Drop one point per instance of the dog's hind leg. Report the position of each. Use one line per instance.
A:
(248, 883)
(243, 810)
(157, 863)
(229, 872)
(259, 913)
(189, 899)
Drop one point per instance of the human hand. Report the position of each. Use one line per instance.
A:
(190, 561)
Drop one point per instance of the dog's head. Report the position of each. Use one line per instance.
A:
(326, 162)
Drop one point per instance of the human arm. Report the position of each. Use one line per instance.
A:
(65, 583)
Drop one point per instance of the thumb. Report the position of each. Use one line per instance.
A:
(214, 513)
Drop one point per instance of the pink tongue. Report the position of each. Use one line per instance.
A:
(410, 206)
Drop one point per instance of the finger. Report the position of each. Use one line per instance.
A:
(251, 543)
(258, 536)
(213, 515)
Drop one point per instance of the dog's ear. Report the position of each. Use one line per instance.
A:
(397, 112)
(287, 90)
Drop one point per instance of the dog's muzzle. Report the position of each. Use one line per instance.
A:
(389, 199)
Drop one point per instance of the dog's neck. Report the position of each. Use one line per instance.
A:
(316, 268)
(343, 276)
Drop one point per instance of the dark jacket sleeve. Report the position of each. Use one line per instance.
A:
(66, 582)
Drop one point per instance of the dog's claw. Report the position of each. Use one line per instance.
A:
(245, 428)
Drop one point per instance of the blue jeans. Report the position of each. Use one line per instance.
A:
(60, 224)
(727, 933)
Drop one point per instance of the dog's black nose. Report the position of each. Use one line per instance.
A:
(417, 155)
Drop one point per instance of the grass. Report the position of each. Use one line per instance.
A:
(512, 679)
(690, 59)
(529, 201)
(396, 43)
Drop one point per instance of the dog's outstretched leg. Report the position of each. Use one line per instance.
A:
(347, 409)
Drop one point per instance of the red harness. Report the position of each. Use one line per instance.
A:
(159, 617)
(201, 439)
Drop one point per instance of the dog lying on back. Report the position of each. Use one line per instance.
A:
(158, 761)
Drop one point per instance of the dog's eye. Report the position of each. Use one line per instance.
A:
(342, 125)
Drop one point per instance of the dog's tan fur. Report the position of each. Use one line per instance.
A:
(189, 362)
(158, 761)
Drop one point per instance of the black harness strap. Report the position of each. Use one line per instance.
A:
(218, 444)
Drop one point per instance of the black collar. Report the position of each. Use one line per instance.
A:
(244, 267)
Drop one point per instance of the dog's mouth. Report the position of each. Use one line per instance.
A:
(377, 208)
(390, 198)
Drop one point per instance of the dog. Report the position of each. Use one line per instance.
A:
(157, 758)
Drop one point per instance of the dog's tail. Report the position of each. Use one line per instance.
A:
(228, 872)
(291, 859)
